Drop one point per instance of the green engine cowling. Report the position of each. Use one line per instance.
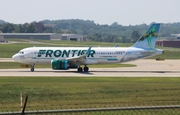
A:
(60, 64)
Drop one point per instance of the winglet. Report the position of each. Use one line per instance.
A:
(88, 51)
(116, 45)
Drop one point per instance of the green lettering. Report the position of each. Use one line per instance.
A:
(41, 52)
(49, 53)
(79, 53)
(65, 53)
(57, 53)
(92, 52)
(73, 52)
(83, 52)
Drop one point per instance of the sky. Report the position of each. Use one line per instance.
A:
(124, 12)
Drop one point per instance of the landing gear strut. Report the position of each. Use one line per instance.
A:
(32, 68)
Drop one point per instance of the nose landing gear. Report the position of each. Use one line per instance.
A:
(32, 68)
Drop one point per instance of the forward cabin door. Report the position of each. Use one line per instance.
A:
(32, 55)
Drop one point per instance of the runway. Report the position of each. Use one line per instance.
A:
(145, 68)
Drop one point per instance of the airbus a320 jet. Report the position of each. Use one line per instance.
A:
(64, 58)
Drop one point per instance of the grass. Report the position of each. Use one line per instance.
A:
(65, 43)
(88, 43)
(169, 54)
(11, 65)
(91, 92)
(8, 50)
(79, 92)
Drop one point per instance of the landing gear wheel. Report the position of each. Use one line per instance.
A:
(86, 69)
(79, 69)
(32, 69)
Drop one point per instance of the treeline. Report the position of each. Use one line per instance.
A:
(22, 28)
(97, 32)
(18, 28)
(92, 31)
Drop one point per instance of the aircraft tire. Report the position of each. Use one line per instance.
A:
(79, 69)
(32, 69)
(86, 69)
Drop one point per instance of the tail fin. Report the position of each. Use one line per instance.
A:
(148, 39)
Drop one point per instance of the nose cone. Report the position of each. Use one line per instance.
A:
(16, 58)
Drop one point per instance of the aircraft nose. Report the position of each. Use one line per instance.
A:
(15, 57)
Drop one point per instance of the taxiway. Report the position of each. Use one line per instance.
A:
(145, 68)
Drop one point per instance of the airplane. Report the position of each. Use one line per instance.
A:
(64, 58)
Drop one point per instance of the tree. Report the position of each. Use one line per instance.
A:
(125, 40)
(135, 36)
(114, 24)
(48, 30)
(2, 21)
(31, 28)
(7, 28)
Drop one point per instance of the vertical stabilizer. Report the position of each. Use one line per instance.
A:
(148, 39)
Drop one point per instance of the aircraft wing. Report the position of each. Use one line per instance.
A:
(79, 59)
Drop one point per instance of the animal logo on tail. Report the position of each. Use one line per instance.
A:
(149, 35)
(148, 39)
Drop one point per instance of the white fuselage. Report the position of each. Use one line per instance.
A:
(44, 55)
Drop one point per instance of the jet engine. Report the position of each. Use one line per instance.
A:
(60, 64)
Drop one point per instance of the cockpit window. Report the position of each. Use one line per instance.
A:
(21, 52)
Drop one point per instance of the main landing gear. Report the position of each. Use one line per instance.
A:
(86, 69)
(32, 68)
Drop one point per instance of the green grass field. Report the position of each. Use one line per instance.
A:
(81, 92)
(87, 92)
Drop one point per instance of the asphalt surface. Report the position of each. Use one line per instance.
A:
(145, 68)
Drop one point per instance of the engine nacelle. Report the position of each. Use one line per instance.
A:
(60, 64)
